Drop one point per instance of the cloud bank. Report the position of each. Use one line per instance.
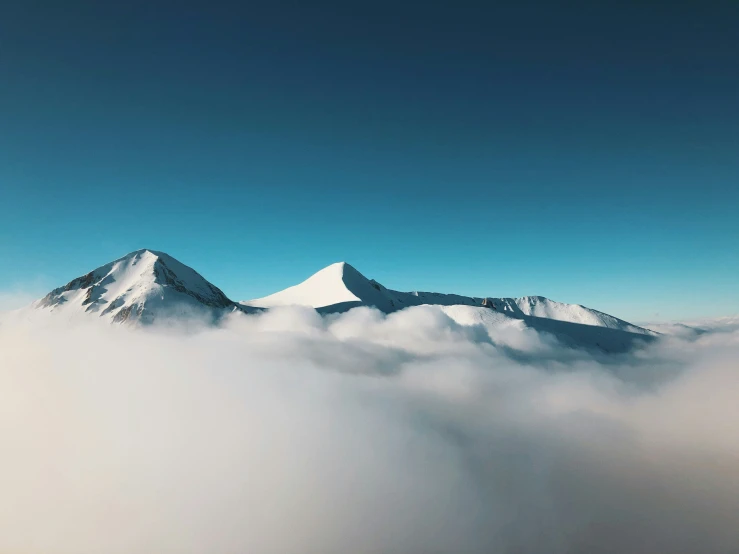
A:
(291, 433)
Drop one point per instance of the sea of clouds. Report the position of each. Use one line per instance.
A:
(289, 433)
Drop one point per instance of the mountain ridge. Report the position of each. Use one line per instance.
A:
(148, 285)
(340, 287)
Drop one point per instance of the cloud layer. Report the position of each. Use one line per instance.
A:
(409, 433)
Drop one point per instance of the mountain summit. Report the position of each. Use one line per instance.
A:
(336, 288)
(139, 287)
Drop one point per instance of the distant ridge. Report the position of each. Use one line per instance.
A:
(340, 287)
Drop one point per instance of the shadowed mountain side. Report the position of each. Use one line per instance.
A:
(576, 335)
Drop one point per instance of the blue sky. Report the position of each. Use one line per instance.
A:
(589, 153)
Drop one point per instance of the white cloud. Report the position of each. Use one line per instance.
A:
(363, 433)
(15, 300)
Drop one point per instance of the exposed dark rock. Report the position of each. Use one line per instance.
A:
(112, 306)
(80, 282)
(218, 300)
(122, 315)
(489, 303)
(88, 297)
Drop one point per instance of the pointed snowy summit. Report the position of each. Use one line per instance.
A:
(139, 287)
(338, 286)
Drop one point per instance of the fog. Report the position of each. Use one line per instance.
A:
(363, 433)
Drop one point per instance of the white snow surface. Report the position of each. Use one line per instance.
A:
(331, 285)
(340, 287)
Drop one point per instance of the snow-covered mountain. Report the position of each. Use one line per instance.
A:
(140, 287)
(340, 287)
(146, 285)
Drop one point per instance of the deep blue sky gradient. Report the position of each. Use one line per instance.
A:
(588, 152)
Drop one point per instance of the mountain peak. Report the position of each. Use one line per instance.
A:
(336, 284)
(131, 287)
(143, 253)
(337, 268)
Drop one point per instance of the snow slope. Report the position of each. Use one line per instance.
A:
(340, 287)
(538, 306)
(510, 330)
(140, 287)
